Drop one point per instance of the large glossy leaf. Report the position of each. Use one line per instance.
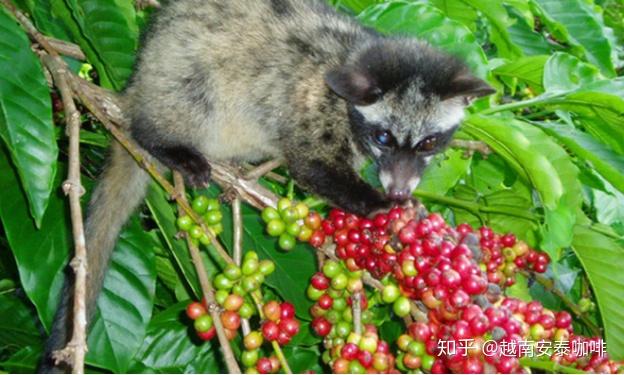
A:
(582, 27)
(529, 69)
(499, 21)
(443, 173)
(564, 72)
(106, 31)
(24, 361)
(603, 261)
(17, 323)
(525, 37)
(165, 218)
(355, 6)
(45, 20)
(459, 11)
(609, 164)
(171, 346)
(546, 165)
(124, 307)
(41, 253)
(426, 22)
(26, 116)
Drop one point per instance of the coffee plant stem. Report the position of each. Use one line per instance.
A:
(72, 187)
(474, 208)
(523, 103)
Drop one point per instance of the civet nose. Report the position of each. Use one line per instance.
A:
(398, 194)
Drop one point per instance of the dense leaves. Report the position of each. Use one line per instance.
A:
(555, 177)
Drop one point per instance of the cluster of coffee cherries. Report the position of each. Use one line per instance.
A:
(279, 325)
(289, 222)
(210, 210)
(503, 255)
(361, 354)
(455, 277)
(232, 286)
(333, 291)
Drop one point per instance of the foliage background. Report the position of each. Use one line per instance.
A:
(556, 177)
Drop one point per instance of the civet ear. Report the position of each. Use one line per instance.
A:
(353, 85)
(469, 87)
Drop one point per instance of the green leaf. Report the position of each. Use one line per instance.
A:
(107, 32)
(444, 173)
(165, 218)
(124, 307)
(609, 164)
(45, 20)
(428, 23)
(528, 69)
(459, 11)
(171, 345)
(582, 27)
(24, 361)
(303, 359)
(541, 161)
(17, 323)
(356, 6)
(603, 260)
(26, 116)
(564, 72)
(499, 21)
(523, 35)
(40, 253)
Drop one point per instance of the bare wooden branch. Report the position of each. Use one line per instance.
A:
(143, 4)
(206, 287)
(238, 231)
(73, 188)
(66, 48)
(263, 169)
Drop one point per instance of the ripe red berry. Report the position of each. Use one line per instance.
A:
(231, 320)
(270, 330)
(325, 302)
(287, 310)
(320, 281)
(321, 326)
(290, 326)
(208, 335)
(349, 351)
(264, 366)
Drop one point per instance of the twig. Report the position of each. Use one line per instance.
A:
(207, 291)
(356, 308)
(238, 231)
(549, 285)
(263, 169)
(66, 48)
(238, 248)
(472, 146)
(73, 188)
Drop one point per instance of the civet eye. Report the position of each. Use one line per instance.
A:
(384, 138)
(428, 144)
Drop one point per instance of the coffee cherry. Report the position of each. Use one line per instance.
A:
(287, 310)
(264, 366)
(250, 357)
(270, 330)
(390, 293)
(401, 306)
(213, 217)
(233, 302)
(184, 223)
(272, 310)
(203, 323)
(208, 335)
(253, 340)
(290, 326)
(230, 320)
(321, 326)
(266, 267)
(286, 241)
(195, 310)
(269, 214)
(276, 227)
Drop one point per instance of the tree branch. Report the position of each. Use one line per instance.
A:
(72, 187)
